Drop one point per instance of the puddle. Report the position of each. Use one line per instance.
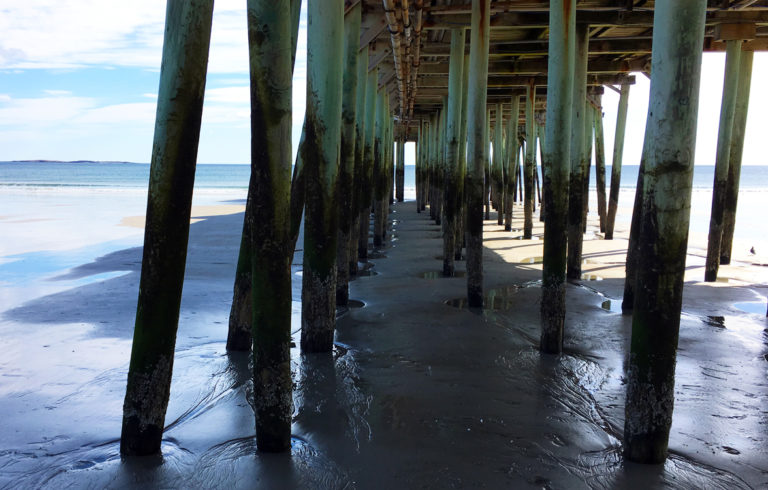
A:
(351, 305)
(591, 277)
(532, 260)
(355, 303)
(439, 275)
(614, 306)
(493, 299)
(757, 307)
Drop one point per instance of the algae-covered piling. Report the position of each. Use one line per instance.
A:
(477, 145)
(562, 20)
(678, 34)
(325, 45)
(169, 205)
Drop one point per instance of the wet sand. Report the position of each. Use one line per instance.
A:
(417, 393)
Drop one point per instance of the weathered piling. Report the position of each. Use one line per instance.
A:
(633, 245)
(724, 141)
(589, 127)
(511, 162)
(451, 204)
(737, 148)
(379, 169)
(169, 204)
(400, 168)
(497, 166)
(556, 168)
(678, 34)
(462, 173)
(577, 154)
(389, 162)
(347, 151)
(240, 314)
(366, 185)
(325, 43)
(358, 175)
(487, 167)
(421, 178)
(530, 161)
(477, 144)
(432, 164)
(618, 154)
(440, 162)
(269, 40)
(541, 133)
(600, 161)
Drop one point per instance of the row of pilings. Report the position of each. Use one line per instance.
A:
(659, 231)
(344, 172)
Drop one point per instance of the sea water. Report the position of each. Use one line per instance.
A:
(47, 189)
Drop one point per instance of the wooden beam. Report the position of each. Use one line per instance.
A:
(596, 18)
(539, 48)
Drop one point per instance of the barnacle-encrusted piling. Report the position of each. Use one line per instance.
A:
(169, 205)
(678, 34)
(530, 161)
(325, 43)
(734, 163)
(357, 195)
(366, 183)
(556, 167)
(725, 132)
(618, 154)
(477, 146)
(269, 40)
(600, 161)
(577, 153)
(347, 155)
(451, 204)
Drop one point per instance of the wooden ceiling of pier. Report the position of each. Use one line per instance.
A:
(620, 43)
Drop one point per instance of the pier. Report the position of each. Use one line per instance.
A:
(494, 350)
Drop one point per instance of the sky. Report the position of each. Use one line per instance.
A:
(79, 79)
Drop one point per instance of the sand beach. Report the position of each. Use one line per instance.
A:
(419, 392)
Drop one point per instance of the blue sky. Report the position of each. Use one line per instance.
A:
(78, 80)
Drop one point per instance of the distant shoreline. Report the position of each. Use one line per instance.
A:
(68, 161)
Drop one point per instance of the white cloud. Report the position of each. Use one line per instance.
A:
(57, 92)
(119, 114)
(52, 34)
(42, 111)
(235, 95)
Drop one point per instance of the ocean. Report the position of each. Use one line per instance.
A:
(44, 187)
(212, 177)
